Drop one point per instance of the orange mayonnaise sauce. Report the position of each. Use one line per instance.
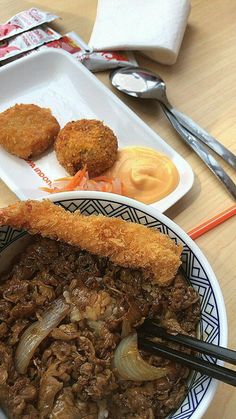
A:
(147, 175)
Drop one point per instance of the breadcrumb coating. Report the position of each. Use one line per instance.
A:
(27, 130)
(86, 142)
(124, 243)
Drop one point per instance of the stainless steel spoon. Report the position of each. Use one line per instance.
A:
(142, 83)
(139, 82)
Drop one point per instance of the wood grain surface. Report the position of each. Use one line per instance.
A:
(203, 85)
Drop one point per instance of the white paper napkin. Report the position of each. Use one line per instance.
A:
(155, 27)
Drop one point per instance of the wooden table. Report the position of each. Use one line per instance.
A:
(203, 84)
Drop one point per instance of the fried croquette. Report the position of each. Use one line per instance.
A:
(87, 142)
(27, 130)
(126, 244)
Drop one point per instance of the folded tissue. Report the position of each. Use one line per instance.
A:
(154, 27)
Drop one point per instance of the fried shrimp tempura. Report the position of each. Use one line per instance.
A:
(125, 244)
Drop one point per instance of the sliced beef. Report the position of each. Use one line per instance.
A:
(6, 362)
(49, 387)
(65, 406)
(71, 373)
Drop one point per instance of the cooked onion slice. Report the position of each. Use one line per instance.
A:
(131, 366)
(38, 331)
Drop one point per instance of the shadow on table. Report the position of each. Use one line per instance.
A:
(186, 201)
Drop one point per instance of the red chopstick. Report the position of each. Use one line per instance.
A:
(198, 231)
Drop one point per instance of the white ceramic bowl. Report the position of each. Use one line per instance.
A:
(213, 323)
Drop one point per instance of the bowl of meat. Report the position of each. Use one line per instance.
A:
(79, 273)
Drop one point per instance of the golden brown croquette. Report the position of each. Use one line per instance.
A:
(27, 130)
(86, 142)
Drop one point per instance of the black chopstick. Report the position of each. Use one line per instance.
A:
(215, 371)
(150, 328)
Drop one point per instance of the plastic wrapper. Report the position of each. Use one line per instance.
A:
(26, 41)
(24, 21)
(101, 61)
(94, 61)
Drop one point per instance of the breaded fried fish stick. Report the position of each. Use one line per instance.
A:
(125, 244)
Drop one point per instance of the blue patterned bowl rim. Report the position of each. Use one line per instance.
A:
(213, 323)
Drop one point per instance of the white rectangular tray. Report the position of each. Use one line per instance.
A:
(55, 80)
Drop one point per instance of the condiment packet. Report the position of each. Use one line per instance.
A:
(27, 41)
(25, 21)
(94, 61)
(79, 41)
(65, 42)
(101, 61)
(68, 43)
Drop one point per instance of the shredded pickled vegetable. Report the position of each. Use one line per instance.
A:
(81, 182)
